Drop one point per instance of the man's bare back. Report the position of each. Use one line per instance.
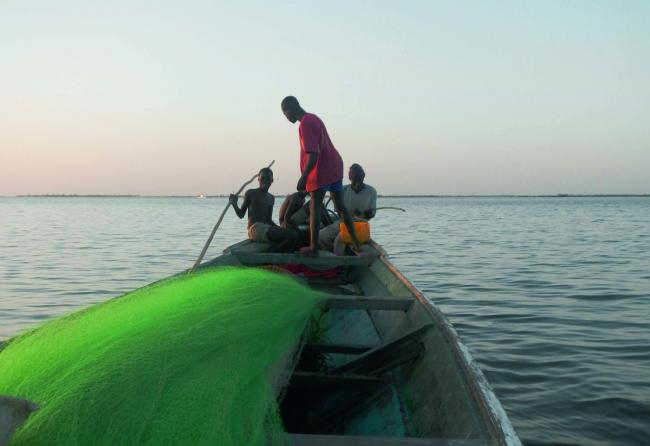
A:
(260, 206)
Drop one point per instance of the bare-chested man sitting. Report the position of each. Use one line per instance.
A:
(259, 204)
(294, 215)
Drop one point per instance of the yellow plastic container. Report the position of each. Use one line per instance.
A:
(361, 228)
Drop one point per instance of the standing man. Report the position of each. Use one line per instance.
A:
(321, 167)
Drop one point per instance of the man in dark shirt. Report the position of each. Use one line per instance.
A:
(259, 204)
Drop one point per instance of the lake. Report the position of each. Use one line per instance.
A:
(551, 295)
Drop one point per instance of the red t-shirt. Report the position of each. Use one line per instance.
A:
(314, 138)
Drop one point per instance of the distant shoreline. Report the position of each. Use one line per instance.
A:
(284, 195)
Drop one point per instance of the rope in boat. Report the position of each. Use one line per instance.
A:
(216, 226)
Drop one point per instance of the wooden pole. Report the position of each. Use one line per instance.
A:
(214, 230)
(390, 207)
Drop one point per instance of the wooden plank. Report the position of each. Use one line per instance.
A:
(343, 302)
(355, 440)
(323, 261)
(387, 356)
(247, 245)
(326, 381)
(338, 348)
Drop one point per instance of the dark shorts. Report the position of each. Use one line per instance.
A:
(334, 187)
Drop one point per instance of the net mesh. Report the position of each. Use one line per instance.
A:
(183, 361)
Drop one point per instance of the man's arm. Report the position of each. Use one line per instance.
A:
(241, 212)
(311, 162)
(294, 204)
(370, 213)
(270, 212)
(283, 209)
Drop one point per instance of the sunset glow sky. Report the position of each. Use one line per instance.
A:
(181, 98)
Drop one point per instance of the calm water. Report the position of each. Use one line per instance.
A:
(552, 295)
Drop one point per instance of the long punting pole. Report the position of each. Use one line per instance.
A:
(214, 230)
(390, 207)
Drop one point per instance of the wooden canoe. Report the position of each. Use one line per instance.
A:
(388, 367)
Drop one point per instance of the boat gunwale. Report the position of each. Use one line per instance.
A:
(493, 415)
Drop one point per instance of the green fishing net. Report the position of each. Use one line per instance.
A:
(185, 361)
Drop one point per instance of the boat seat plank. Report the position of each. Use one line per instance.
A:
(353, 349)
(327, 261)
(343, 302)
(322, 381)
(355, 440)
(248, 246)
(387, 356)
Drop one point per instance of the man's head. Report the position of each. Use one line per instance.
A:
(292, 109)
(356, 175)
(265, 177)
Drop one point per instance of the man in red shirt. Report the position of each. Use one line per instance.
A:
(321, 167)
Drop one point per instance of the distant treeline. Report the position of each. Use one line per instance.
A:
(381, 196)
(515, 196)
(78, 196)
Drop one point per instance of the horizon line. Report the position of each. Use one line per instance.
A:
(202, 196)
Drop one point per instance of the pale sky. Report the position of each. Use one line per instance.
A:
(457, 97)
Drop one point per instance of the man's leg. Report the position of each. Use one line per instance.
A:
(344, 214)
(338, 247)
(315, 206)
(285, 239)
(327, 235)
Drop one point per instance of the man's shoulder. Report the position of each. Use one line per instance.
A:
(367, 189)
(259, 192)
(311, 120)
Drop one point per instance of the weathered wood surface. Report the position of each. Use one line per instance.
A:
(387, 356)
(353, 349)
(344, 302)
(463, 420)
(326, 381)
(322, 261)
